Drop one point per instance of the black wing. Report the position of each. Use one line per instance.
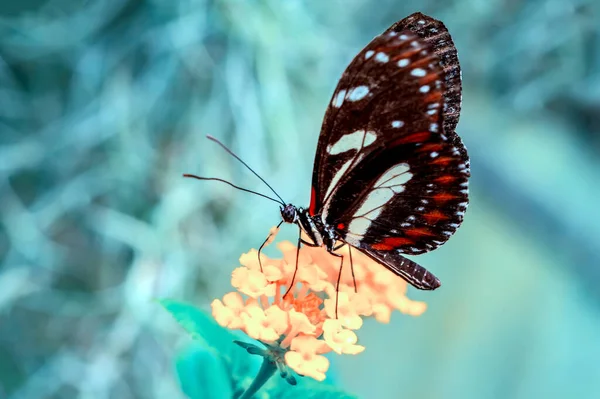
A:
(436, 34)
(388, 175)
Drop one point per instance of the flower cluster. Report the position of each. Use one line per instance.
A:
(313, 318)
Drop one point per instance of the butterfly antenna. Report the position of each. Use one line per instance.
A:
(246, 165)
(232, 185)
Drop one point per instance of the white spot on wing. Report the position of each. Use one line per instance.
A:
(370, 138)
(434, 154)
(359, 226)
(394, 178)
(418, 72)
(337, 177)
(357, 93)
(424, 89)
(352, 141)
(333, 185)
(338, 99)
(403, 62)
(382, 57)
(369, 54)
(389, 184)
(397, 124)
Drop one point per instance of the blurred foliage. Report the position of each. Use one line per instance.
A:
(104, 104)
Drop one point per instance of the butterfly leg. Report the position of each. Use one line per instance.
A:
(300, 242)
(337, 285)
(263, 244)
(352, 268)
(351, 264)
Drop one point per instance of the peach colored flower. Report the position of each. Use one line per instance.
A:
(345, 311)
(340, 339)
(304, 358)
(296, 330)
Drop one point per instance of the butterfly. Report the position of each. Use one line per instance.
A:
(390, 174)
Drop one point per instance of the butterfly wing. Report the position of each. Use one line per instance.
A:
(388, 177)
(410, 271)
(436, 34)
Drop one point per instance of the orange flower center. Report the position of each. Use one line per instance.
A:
(310, 305)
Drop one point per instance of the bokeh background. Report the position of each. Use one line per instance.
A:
(103, 105)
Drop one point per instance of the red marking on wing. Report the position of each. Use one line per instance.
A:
(389, 243)
(430, 77)
(430, 147)
(441, 197)
(442, 161)
(412, 138)
(341, 226)
(423, 62)
(419, 232)
(434, 217)
(313, 202)
(445, 179)
(405, 54)
(434, 96)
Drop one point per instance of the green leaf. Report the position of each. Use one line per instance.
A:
(202, 375)
(215, 341)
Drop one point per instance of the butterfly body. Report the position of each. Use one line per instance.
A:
(317, 231)
(391, 174)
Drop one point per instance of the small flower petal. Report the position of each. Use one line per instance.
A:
(278, 319)
(233, 300)
(339, 339)
(309, 344)
(250, 282)
(313, 366)
(273, 273)
(257, 325)
(250, 260)
(382, 312)
(345, 310)
(225, 316)
(300, 323)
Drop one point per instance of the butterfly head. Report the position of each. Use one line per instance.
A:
(289, 213)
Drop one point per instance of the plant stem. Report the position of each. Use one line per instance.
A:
(267, 369)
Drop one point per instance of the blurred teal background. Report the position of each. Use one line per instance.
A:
(104, 104)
